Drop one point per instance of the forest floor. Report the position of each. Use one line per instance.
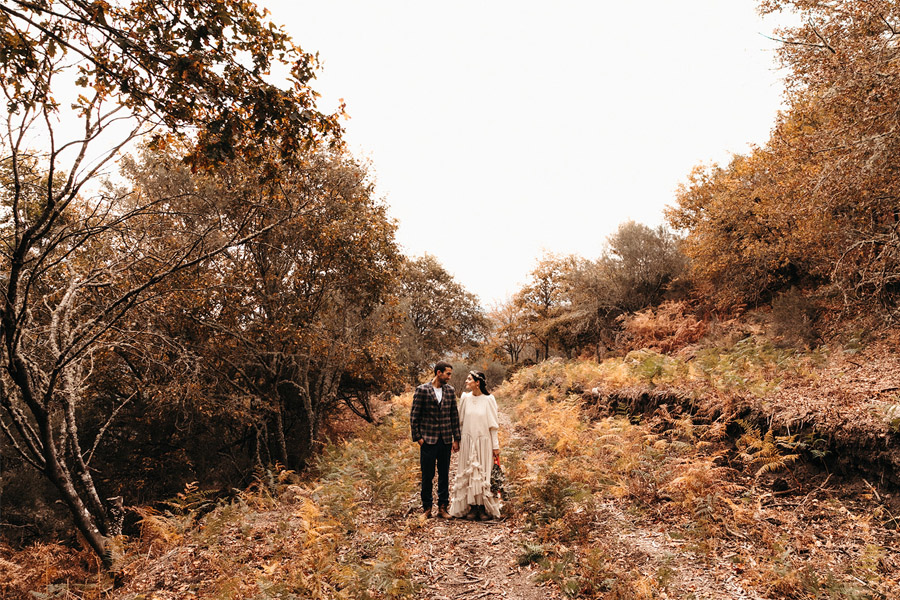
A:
(600, 504)
(471, 560)
(457, 558)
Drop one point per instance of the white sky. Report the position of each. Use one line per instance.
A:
(499, 130)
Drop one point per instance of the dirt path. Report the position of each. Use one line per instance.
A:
(455, 558)
(470, 560)
(679, 572)
(462, 559)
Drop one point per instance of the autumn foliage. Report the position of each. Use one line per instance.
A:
(204, 313)
(201, 307)
(816, 206)
(666, 328)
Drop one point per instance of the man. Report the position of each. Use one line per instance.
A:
(435, 427)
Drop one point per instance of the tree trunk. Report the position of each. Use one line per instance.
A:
(279, 434)
(59, 475)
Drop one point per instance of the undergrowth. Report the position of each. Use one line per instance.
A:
(580, 484)
(285, 537)
(576, 486)
(751, 366)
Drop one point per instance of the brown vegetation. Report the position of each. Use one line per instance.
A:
(640, 500)
(816, 206)
(199, 327)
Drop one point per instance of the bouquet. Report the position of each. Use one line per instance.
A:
(497, 479)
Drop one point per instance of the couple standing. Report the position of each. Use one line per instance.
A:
(440, 428)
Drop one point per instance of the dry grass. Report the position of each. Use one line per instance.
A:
(708, 494)
(53, 569)
(624, 506)
(320, 537)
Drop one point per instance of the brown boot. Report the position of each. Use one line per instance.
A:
(443, 512)
(427, 512)
(483, 515)
(472, 515)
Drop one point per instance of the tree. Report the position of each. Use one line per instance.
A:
(509, 334)
(748, 237)
(845, 82)
(817, 205)
(442, 316)
(301, 317)
(641, 262)
(143, 68)
(184, 64)
(573, 303)
(593, 303)
(543, 299)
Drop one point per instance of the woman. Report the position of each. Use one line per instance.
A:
(472, 497)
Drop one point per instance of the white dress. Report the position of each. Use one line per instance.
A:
(478, 429)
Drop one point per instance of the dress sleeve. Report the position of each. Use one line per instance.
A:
(462, 408)
(493, 422)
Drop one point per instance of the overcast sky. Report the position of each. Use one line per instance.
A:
(499, 130)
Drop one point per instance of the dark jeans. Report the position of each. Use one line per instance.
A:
(430, 455)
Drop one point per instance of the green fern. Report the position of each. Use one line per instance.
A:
(531, 553)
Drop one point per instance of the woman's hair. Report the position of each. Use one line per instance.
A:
(479, 377)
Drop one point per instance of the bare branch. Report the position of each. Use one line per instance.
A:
(100, 324)
(819, 35)
(28, 434)
(794, 42)
(21, 451)
(90, 455)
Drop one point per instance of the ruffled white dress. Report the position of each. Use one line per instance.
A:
(478, 427)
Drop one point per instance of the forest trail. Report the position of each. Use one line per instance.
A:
(471, 560)
(456, 558)
(614, 507)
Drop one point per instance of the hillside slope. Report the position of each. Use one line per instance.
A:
(644, 477)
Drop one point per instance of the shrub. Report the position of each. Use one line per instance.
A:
(793, 319)
(666, 328)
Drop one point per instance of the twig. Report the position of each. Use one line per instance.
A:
(819, 35)
(874, 491)
(814, 491)
(894, 519)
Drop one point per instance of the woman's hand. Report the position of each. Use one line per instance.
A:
(497, 453)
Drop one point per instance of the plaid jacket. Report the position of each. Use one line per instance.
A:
(432, 421)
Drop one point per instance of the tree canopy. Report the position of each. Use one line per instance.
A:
(443, 317)
(196, 67)
(817, 205)
(80, 259)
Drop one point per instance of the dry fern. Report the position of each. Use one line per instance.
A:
(761, 453)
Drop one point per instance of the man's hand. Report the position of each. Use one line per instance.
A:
(455, 446)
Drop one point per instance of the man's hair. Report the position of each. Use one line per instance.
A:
(442, 366)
